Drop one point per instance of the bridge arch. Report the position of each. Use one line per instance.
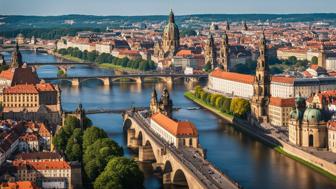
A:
(123, 78)
(127, 125)
(140, 138)
(167, 173)
(180, 179)
(147, 152)
(68, 81)
(92, 79)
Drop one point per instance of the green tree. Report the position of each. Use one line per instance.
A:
(314, 60)
(97, 155)
(60, 140)
(239, 107)
(73, 150)
(122, 173)
(70, 123)
(226, 105)
(91, 135)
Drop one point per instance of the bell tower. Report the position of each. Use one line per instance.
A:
(211, 52)
(261, 84)
(224, 53)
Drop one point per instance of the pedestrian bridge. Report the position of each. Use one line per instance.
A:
(183, 167)
(138, 78)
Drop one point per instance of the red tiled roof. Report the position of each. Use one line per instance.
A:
(21, 89)
(18, 185)
(42, 165)
(282, 102)
(45, 87)
(175, 128)
(283, 79)
(332, 125)
(7, 74)
(242, 78)
(184, 52)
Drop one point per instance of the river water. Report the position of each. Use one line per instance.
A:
(242, 157)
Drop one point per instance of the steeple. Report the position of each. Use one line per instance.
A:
(224, 53)
(153, 103)
(171, 16)
(211, 52)
(261, 84)
(16, 57)
(245, 25)
(227, 26)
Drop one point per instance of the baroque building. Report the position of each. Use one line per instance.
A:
(164, 105)
(261, 85)
(224, 55)
(307, 127)
(170, 43)
(210, 52)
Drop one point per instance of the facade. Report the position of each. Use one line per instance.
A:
(181, 133)
(330, 64)
(279, 110)
(224, 54)
(50, 174)
(285, 53)
(306, 126)
(332, 136)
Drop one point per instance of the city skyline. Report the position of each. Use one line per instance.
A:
(152, 7)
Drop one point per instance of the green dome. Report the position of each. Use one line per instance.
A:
(296, 114)
(312, 115)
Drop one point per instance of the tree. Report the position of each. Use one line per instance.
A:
(239, 107)
(219, 102)
(314, 60)
(98, 154)
(122, 173)
(91, 135)
(207, 67)
(70, 123)
(60, 140)
(73, 150)
(226, 105)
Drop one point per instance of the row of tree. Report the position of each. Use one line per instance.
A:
(101, 157)
(94, 56)
(238, 107)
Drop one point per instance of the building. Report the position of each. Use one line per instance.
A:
(164, 105)
(307, 126)
(285, 53)
(224, 54)
(210, 52)
(177, 133)
(170, 40)
(322, 58)
(20, 39)
(39, 156)
(49, 174)
(331, 64)
(332, 136)
(279, 110)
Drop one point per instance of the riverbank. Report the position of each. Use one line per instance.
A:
(317, 164)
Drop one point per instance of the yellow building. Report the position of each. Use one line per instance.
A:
(279, 110)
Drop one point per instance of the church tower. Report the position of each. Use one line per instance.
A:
(227, 28)
(211, 52)
(16, 57)
(166, 104)
(154, 107)
(245, 28)
(171, 36)
(224, 53)
(322, 57)
(261, 84)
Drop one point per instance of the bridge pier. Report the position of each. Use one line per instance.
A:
(166, 178)
(139, 80)
(106, 81)
(132, 141)
(75, 82)
(146, 154)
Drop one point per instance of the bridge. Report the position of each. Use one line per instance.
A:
(64, 66)
(34, 47)
(182, 167)
(138, 78)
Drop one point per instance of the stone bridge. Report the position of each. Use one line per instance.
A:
(184, 167)
(33, 47)
(138, 78)
(64, 66)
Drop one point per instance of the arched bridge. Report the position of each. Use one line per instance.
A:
(34, 47)
(184, 167)
(138, 78)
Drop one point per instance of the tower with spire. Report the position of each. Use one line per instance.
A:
(16, 57)
(154, 106)
(261, 84)
(227, 27)
(224, 53)
(171, 36)
(211, 52)
(244, 25)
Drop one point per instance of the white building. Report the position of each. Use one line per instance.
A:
(331, 64)
(332, 136)
(181, 133)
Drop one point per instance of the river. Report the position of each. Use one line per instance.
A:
(251, 163)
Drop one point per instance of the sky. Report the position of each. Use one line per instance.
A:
(161, 7)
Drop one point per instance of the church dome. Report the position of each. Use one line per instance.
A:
(312, 115)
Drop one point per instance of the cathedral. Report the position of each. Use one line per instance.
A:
(261, 85)
(164, 105)
(170, 43)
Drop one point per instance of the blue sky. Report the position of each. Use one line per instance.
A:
(161, 7)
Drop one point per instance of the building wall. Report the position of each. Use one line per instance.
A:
(20, 100)
(279, 116)
(331, 64)
(283, 90)
(332, 140)
(228, 87)
(167, 136)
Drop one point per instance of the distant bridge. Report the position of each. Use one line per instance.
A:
(34, 47)
(138, 78)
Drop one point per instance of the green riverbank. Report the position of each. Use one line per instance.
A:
(277, 148)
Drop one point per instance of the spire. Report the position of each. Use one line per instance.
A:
(171, 16)
(225, 39)
(227, 26)
(16, 57)
(224, 53)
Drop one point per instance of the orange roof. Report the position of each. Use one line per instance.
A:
(7, 74)
(42, 165)
(242, 78)
(283, 79)
(332, 125)
(282, 102)
(45, 87)
(184, 53)
(18, 185)
(21, 89)
(175, 128)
